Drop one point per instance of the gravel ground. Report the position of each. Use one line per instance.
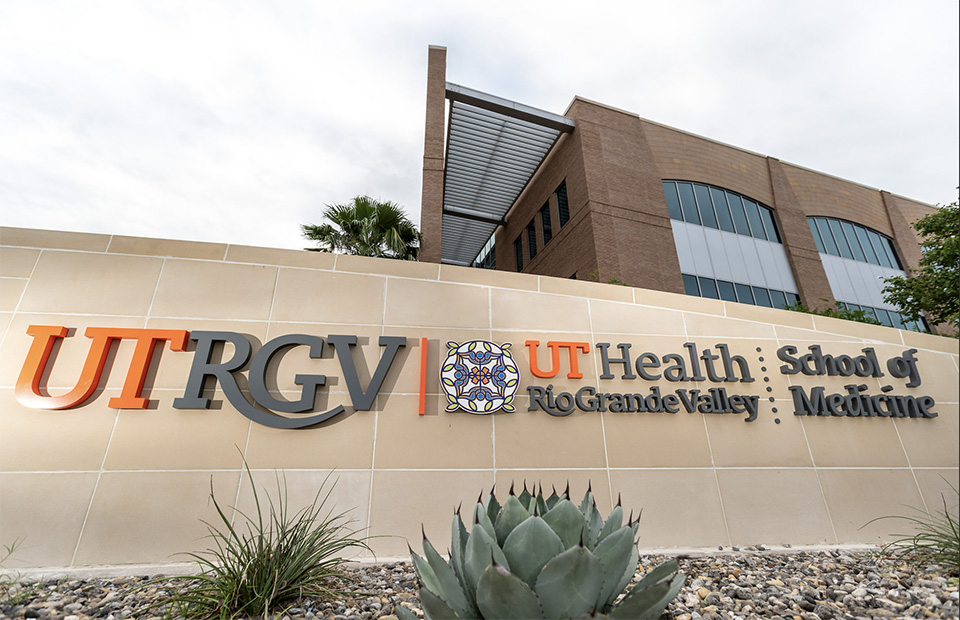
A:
(751, 583)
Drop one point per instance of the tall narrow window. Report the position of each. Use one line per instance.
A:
(563, 207)
(532, 239)
(518, 250)
(545, 223)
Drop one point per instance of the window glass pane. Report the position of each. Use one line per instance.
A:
(816, 235)
(721, 209)
(673, 201)
(838, 238)
(563, 207)
(704, 206)
(851, 238)
(877, 244)
(866, 246)
(792, 298)
(518, 250)
(688, 204)
(762, 296)
(744, 294)
(769, 224)
(870, 312)
(891, 253)
(708, 288)
(753, 216)
(897, 320)
(727, 291)
(545, 223)
(532, 239)
(884, 317)
(778, 298)
(826, 236)
(739, 217)
(690, 285)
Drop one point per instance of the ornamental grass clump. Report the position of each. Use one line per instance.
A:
(936, 541)
(264, 562)
(537, 557)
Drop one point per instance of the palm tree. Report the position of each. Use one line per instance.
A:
(366, 227)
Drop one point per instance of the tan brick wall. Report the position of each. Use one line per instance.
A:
(100, 485)
(686, 157)
(571, 249)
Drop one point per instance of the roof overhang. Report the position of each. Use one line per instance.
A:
(493, 148)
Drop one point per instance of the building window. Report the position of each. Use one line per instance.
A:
(487, 258)
(699, 286)
(518, 250)
(712, 288)
(848, 240)
(563, 207)
(545, 223)
(717, 208)
(532, 239)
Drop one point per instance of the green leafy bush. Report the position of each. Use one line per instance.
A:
(267, 561)
(842, 312)
(536, 557)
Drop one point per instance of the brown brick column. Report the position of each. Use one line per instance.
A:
(431, 200)
(631, 226)
(906, 240)
(798, 241)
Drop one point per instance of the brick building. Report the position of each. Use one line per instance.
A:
(602, 194)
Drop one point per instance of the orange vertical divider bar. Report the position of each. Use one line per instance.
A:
(423, 375)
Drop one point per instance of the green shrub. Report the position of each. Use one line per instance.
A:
(267, 561)
(842, 312)
(936, 541)
(536, 557)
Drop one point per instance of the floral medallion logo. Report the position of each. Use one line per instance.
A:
(479, 377)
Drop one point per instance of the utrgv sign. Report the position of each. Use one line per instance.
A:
(476, 376)
(31, 392)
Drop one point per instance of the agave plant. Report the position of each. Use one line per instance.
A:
(536, 557)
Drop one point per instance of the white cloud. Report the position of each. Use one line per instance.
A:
(237, 121)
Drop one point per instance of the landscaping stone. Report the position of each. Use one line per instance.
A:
(750, 584)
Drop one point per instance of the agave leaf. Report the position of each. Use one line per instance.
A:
(541, 503)
(660, 573)
(639, 602)
(529, 547)
(481, 549)
(596, 525)
(567, 521)
(569, 584)
(451, 591)
(493, 507)
(629, 571)
(525, 496)
(587, 503)
(614, 555)
(434, 607)
(427, 577)
(614, 522)
(553, 499)
(512, 515)
(404, 614)
(481, 517)
(459, 539)
(649, 603)
(501, 594)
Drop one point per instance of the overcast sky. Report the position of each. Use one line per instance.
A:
(236, 121)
